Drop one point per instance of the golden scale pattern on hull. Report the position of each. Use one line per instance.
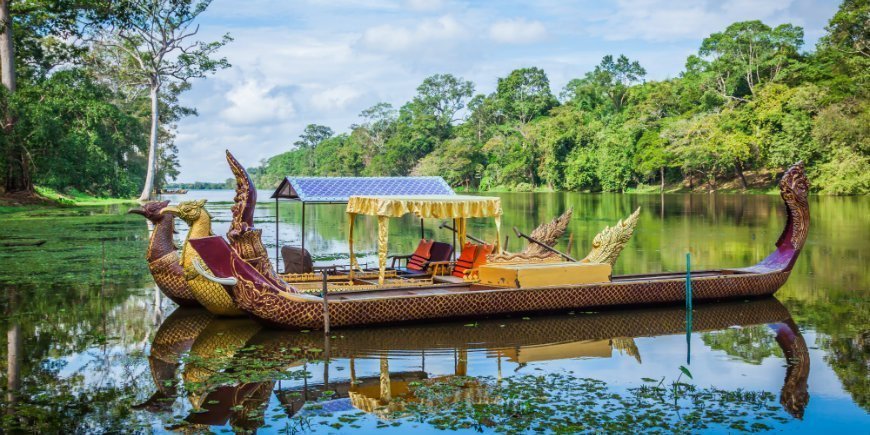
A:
(278, 309)
(169, 277)
(536, 331)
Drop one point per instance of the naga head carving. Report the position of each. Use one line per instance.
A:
(151, 211)
(188, 211)
(794, 188)
(245, 200)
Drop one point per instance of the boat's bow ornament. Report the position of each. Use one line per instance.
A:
(211, 295)
(162, 254)
(608, 244)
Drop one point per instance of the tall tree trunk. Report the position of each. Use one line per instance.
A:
(17, 160)
(152, 144)
(739, 168)
(7, 53)
(662, 177)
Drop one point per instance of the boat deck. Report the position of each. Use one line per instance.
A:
(436, 288)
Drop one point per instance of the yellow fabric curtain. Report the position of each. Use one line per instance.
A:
(383, 233)
(354, 265)
(458, 207)
(498, 247)
(461, 232)
(438, 207)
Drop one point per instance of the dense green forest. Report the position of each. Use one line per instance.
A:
(85, 100)
(749, 103)
(90, 92)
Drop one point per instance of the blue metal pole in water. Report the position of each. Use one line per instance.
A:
(688, 308)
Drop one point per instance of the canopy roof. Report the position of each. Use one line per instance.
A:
(426, 206)
(340, 189)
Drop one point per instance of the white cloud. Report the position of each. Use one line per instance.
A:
(425, 5)
(335, 98)
(668, 20)
(252, 102)
(393, 38)
(517, 31)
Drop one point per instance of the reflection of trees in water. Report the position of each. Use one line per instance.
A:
(751, 344)
(56, 321)
(842, 323)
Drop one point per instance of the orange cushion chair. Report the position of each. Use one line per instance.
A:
(465, 260)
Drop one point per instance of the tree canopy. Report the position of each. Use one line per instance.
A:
(748, 104)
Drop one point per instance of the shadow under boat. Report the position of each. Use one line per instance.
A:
(593, 335)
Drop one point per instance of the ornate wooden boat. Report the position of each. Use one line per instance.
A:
(266, 297)
(162, 255)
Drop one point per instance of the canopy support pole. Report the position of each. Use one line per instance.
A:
(354, 265)
(454, 240)
(383, 234)
(277, 239)
(303, 228)
(422, 234)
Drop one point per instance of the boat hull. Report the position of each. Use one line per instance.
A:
(278, 310)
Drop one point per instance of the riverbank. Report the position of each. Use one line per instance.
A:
(46, 197)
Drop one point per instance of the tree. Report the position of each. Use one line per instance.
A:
(313, 135)
(154, 39)
(35, 37)
(442, 95)
(609, 82)
(749, 52)
(524, 94)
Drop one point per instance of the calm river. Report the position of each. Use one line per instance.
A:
(91, 346)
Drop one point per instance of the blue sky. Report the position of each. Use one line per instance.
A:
(324, 61)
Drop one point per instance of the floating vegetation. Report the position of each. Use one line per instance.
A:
(563, 403)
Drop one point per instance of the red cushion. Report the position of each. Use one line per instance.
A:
(465, 260)
(420, 258)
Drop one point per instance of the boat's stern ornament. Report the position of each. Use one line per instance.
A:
(244, 238)
(794, 188)
(608, 244)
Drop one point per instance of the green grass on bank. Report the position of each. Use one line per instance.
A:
(49, 198)
(74, 197)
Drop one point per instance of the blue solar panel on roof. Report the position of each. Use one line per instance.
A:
(339, 189)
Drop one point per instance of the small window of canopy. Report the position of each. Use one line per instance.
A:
(457, 207)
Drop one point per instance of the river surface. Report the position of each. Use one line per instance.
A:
(91, 346)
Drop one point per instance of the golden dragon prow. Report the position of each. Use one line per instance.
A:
(210, 294)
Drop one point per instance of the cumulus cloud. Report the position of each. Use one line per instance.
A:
(425, 5)
(396, 38)
(517, 31)
(252, 102)
(335, 98)
(669, 20)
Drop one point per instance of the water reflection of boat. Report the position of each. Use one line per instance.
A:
(174, 338)
(537, 339)
(215, 343)
(262, 293)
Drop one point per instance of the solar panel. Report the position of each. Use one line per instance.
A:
(339, 189)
